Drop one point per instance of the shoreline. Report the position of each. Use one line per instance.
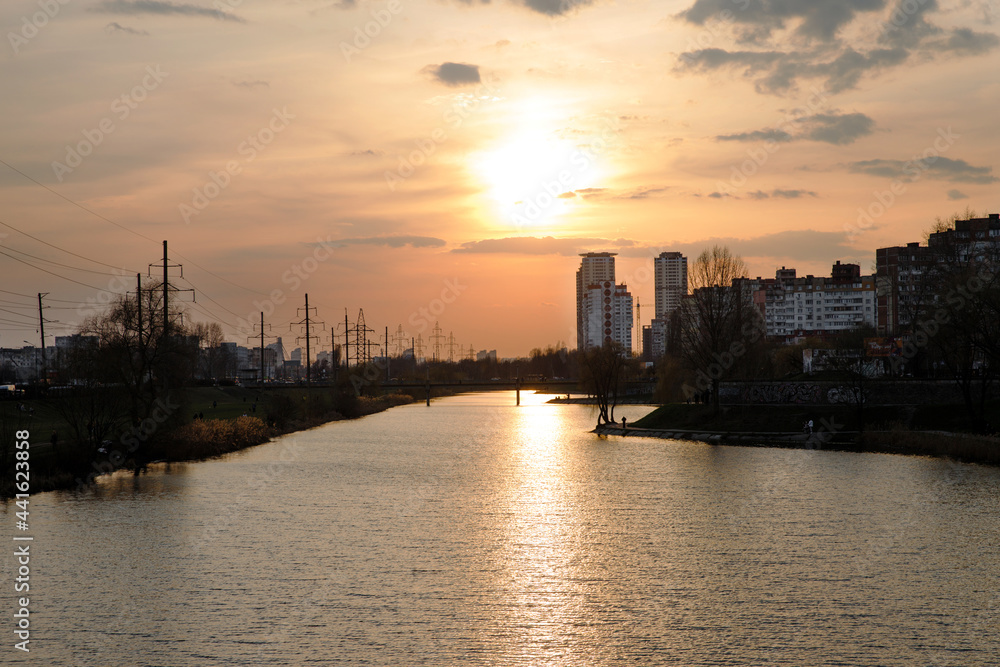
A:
(963, 447)
(191, 450)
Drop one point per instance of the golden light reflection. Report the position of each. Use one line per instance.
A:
(544, 548)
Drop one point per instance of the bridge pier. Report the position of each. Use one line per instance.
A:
(517, 388)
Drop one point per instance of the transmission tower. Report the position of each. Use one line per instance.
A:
(436, 338)
(472, 353)
(418, 347)
(361, 341)
(308, 337)
(451, 346)
(401, 339)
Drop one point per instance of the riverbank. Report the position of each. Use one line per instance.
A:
(66, 465)
(833, 429)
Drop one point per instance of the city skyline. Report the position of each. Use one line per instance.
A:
(395, 156)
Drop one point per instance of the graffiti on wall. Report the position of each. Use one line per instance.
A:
(781, 392)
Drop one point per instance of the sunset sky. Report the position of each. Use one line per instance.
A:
(456, 157)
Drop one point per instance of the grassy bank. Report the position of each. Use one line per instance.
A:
(211, 422)
(914, 430)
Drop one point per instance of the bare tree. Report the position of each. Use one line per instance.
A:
(602, 373)
(718, 321)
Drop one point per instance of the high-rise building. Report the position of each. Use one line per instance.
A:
(607, 316)
(671, 282)
(816, 306)
(905, 292)
(595, 268)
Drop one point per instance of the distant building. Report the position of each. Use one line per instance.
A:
(670, 271)
(608, 315)
(483, 355)
(797, 307)
(595, 268)
(903, 291)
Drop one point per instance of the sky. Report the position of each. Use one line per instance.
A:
(446, 161)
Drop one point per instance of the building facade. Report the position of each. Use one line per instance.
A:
(595, 268)
(798, 307)
(607, 316)
(904, 290)
(670, 271)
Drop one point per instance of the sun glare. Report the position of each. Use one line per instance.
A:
(532, 177)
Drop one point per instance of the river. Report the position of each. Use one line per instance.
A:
(475, 532)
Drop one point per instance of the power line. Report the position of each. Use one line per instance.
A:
(81, 206)
(51, 245)
(65, 266)
(18, 259)
(121, 226)
(29, 296)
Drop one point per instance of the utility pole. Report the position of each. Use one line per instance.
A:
(167, 288)
(387, 353)
(308, 336)
(263, 363)
(41, 328)
(138, 300)
(347, 342)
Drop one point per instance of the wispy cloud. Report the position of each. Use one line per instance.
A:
(163, 8)
(118, 27)
(393, 241)
(934, 167)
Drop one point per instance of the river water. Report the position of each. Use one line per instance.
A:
(475, 532)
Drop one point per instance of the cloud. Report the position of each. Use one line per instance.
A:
(394, 241)
(804, 245)
(966, 42)
(455, 74)
(163, 7)
(832, 40)
(118, 27)
(534, 245)
(250, 85)
(838, 129)
(644, 193)
(957, 194)
(757, 135)
(934, 167)
(369, 152)
(815, 19)
(567, 195)
(554, 7)
(782, 194)
(831, 128)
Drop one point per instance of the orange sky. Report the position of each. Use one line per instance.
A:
(459, 156)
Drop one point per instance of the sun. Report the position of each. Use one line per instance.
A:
(532, 176)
